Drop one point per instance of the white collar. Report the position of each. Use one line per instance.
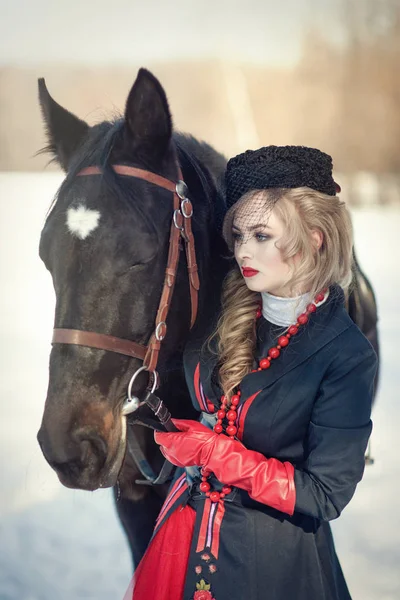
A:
(284, 311)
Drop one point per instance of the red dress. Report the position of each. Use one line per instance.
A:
(161, 573)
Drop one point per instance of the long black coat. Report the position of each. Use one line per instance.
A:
(312, 408)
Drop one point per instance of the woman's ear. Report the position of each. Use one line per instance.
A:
(317, 238)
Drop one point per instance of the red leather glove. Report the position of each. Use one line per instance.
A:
(267, 480)
(190, 446)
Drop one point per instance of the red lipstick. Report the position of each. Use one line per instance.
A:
(248, 272)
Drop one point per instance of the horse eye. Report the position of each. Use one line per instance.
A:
(130, 269)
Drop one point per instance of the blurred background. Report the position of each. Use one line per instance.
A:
(239, 75)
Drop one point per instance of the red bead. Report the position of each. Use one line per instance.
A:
(293, 329)
(278, 346)
(205, 472)
(283, 341)
(311, 308)
(222, 495)
(231, 415)
(218, 428)
(303, 319)
(226, 489)
(273, 352)
(320, 297)
(208, 494)
(239, 393)
(235, 396)
(219, 422)
(205, 486)
(265, 363)
(258, 313)
(235, 400)
(231, 430)
(221, 414)
(214, 496)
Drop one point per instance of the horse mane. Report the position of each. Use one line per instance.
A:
(209, 167)
(205, 154)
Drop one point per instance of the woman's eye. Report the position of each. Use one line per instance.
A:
(262, 237)
(236, 236)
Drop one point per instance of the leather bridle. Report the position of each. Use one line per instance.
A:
(181, 228)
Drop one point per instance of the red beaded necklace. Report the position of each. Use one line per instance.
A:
(228, 411)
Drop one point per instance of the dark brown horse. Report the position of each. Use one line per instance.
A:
(105, 243)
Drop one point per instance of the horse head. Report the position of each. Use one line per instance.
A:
(105, 242)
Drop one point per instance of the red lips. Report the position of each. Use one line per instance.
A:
(248, 272)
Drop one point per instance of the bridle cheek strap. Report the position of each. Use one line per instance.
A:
(181, 227)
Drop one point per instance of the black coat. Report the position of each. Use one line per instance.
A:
(312, 408)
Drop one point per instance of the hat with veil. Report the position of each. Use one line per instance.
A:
(272, 167)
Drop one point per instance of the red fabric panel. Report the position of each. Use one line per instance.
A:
(243, 415)
(161, 573)
(217, 527)
(201, 542)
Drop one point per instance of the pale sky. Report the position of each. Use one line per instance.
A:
(130, 31)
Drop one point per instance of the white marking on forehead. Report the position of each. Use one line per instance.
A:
(81, 221)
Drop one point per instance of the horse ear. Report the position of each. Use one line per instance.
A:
(65, 132)
(147, 116)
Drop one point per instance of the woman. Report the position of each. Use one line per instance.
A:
(285, 385)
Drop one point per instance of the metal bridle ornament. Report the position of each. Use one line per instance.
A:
(181, 228)
(132, 403)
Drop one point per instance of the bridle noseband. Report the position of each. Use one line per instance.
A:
(181, 227)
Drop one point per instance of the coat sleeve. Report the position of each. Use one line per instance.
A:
(337, 437)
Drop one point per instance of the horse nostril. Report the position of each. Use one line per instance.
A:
(92, 445)
(55, 450)
(85, 447)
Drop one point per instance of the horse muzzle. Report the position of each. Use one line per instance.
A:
(84, 459)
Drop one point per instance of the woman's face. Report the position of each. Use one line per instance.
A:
(257, 243)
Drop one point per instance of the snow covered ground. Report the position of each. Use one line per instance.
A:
(64, 544)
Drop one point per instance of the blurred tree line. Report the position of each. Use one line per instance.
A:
(342, 96)
(362, 71)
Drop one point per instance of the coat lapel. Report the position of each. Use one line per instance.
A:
(330, 320)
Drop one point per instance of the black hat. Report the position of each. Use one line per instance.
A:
(279, 167)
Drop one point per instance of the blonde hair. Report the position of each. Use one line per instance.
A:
(302, 211)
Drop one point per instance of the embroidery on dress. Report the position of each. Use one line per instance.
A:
(203, 591)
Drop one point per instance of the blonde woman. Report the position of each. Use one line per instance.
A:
(285, 386)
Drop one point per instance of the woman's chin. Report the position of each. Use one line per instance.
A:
(255, 286)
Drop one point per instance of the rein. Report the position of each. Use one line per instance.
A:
(181, 227)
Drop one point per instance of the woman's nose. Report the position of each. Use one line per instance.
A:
(244, 250)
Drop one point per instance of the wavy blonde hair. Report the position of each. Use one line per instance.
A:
(302, 211)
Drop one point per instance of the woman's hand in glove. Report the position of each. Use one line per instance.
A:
(267, 480)
(191, 446)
